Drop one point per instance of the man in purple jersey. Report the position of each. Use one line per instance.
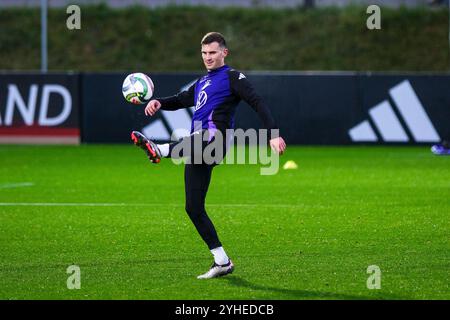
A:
(215, 97)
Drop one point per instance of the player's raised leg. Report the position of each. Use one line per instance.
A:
(150, 148)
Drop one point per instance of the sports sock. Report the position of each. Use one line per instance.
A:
(220, 257)
(164, 149)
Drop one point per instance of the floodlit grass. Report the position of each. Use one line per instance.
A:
(308, 233)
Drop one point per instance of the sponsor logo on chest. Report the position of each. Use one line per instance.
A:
(202, 96)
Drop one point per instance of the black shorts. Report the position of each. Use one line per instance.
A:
(201, 147)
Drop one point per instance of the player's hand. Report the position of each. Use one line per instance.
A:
(152, 107)
(278, 145)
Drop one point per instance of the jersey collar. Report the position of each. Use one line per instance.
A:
(218, 69)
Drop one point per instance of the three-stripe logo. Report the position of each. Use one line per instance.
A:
(389, 126)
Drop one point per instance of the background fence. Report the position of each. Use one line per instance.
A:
(310, 108)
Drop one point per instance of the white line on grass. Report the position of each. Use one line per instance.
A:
(16, 185)
(97, 204)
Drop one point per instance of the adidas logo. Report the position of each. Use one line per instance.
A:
(207, 84)
(388, 124)
(176, 122)
(241, 76)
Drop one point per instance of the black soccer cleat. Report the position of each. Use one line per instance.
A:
(150, 148)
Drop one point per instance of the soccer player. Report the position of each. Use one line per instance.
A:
(215, 97)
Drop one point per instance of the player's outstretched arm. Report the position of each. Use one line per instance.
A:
(245, 91)
(184, 99)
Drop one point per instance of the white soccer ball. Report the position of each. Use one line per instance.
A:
(137, 88)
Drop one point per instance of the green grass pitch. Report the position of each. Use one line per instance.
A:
(309, 233)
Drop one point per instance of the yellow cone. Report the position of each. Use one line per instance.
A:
(290, 165)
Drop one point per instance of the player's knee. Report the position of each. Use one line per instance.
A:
(193, 208)
(190, 209)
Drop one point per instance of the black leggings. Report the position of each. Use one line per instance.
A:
(196, 182)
